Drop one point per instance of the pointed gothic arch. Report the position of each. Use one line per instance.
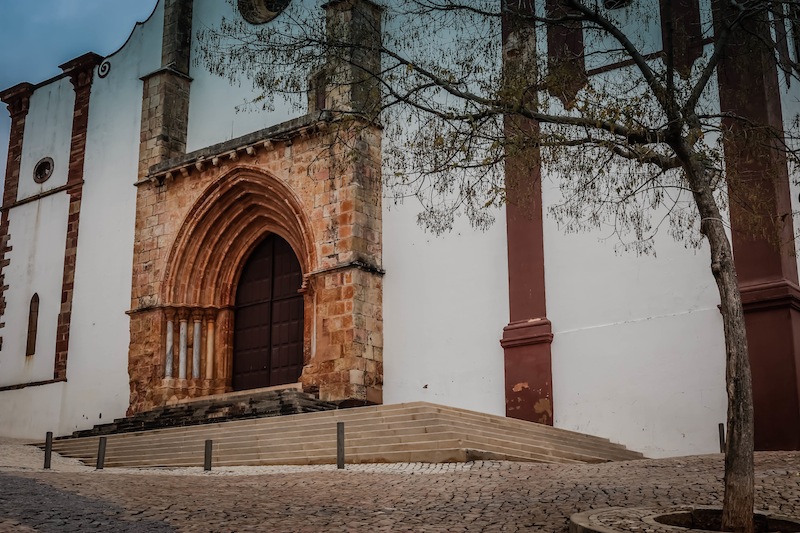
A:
(223, 227)
(33, 325)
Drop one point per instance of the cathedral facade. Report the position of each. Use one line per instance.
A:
(160, 246)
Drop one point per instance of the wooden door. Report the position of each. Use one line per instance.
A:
(268, 321)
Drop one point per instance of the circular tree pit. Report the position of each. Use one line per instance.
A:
(671, 520)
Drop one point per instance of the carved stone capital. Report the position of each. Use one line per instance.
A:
(184, 313)
(81, 69)
(18, 99)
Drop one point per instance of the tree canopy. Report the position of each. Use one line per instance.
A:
(619, 102)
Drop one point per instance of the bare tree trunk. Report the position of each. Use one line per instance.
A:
(737, 513)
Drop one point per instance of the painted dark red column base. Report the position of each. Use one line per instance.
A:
(772, 314)
(529, 387)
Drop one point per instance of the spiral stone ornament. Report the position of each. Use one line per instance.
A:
(104, 69)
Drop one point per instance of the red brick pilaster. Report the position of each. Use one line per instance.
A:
(682, 33)
(762, 230)
(565, 53)
(81, 73)
(17, 99)
(527, 338)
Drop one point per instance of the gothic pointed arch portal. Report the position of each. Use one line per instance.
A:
(240, 260)
(201, 218)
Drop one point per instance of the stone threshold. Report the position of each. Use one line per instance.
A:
(236, 394)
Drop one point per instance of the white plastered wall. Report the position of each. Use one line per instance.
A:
(638, 351)
(37, 237)
(445, 304)
(213, 115)
(97, 369)
(38, 233)
(48, 133)
(97, 373)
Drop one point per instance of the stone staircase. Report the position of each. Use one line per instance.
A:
(231, 406)
(412, 432)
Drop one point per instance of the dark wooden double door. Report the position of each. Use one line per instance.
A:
(268, 323)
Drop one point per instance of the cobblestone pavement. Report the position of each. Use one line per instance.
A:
(481, 496)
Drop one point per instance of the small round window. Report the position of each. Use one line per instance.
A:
(261, 11)
(43, 170)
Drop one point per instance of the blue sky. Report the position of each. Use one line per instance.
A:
(36, 37)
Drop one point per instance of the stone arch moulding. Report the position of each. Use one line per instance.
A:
(231, 217)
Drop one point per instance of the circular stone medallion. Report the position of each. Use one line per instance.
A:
(43, 170)
(261, 11)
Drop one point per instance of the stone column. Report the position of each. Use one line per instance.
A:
(183, 316)
(211, 316)
(197, 317)
(169, 314)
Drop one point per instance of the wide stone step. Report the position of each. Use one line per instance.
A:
(356, 417)
(193, 455)
(438, 455)
(324, 436)
(251, 428)
(414, 431)
(363, 442)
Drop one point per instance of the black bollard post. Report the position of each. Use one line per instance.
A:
(48, 449)
(207, 461)
(721, 437)
(340, 445)
(101, 453)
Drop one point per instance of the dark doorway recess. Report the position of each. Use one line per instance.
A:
(268, 324)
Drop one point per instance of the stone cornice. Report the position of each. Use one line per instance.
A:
(527, 332)
(81, 69)
(249, 144)
(175, 308)
(32, 384)
(169, 69)
(771, 295)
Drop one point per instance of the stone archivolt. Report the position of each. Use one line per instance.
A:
(229, 220)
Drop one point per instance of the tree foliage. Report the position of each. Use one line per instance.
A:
(445, 97)
(633, 143)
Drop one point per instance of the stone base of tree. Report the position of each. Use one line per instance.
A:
(671, 520)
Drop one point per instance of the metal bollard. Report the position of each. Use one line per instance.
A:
(721, 437)
(207, 460)
(340, 445)
(48, 449)
(101, 453)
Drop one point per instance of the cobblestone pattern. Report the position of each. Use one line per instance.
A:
(481, 496)
(28, 504)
